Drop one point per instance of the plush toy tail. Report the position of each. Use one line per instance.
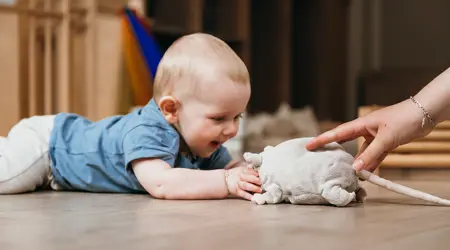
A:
(395, 187)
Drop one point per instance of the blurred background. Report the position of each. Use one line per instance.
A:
(327, 58)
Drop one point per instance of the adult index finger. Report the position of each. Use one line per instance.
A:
(344, 132)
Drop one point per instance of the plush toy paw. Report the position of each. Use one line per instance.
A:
(351, 197)
(258, 199)
(272, 195)
(337, 196)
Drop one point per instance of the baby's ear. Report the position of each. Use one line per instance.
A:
(169, 106)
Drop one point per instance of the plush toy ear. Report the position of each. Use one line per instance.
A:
(254, 159)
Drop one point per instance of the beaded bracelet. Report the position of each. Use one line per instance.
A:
(227, 175)
(426, 115)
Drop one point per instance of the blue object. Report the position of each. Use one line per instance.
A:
(150, 49)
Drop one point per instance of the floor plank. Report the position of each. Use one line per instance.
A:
(64, 220)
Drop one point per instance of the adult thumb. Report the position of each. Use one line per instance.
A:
(372, 154)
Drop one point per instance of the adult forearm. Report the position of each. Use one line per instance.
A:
(179, 183)
(435, 97)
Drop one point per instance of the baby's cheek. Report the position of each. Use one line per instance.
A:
(200, 133)
(210, 129)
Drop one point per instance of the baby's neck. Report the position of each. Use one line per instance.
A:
(185, 150)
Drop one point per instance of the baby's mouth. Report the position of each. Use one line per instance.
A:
(215, 144)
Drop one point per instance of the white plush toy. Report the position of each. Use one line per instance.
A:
(290, 173)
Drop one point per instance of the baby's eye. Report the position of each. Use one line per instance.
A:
(238, 116)
(218, 119)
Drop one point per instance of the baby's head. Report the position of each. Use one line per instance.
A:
(202, 88)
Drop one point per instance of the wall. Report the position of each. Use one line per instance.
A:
(387, 34)
(9, 72)
(415, 33)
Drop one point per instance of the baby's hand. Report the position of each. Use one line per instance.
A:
(242, 180)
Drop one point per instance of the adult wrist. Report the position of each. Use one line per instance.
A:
(434, 97)
(433, 105)
(427, 119)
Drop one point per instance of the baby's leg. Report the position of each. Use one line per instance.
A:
(24, 159)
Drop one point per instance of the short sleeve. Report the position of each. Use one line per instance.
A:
(218, 160)
(146, 141)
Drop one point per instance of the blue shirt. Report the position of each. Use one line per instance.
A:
(96, 156)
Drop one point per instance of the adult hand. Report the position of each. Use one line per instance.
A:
(383, 130)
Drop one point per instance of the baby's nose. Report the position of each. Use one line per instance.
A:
(231, 130)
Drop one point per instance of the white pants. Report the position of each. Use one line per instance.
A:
(24, 158)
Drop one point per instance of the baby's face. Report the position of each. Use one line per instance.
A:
(211, 117)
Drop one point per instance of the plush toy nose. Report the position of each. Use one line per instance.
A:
(254, 159)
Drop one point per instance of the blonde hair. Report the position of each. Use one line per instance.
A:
(192, 57)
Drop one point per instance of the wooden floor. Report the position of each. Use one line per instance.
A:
(52, 220)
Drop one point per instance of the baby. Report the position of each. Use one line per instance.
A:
(171, 148)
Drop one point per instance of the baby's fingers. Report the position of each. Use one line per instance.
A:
(246, 186)
(251, 171)
(251, 179)
(243, 194)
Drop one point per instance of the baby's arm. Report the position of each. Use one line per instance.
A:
(151, 153)
(163, 182)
